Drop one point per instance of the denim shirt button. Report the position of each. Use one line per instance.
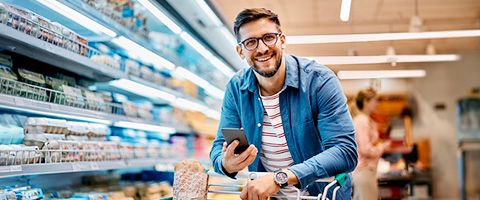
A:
(259, 124)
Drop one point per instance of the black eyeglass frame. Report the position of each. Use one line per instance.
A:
(277, 35)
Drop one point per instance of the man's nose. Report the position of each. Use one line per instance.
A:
(262, 48)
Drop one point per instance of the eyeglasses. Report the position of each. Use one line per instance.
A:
(268, 39)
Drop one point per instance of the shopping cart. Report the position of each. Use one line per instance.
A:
(233, 189)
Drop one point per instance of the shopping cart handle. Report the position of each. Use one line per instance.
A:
(341, 179)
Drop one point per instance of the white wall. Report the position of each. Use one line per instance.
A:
(445, 83)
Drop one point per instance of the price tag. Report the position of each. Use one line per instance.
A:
(48, 47)
(20, 102)
(13, 168)
(6, 100)
(42, 105)
(94, 166)
(81, 166)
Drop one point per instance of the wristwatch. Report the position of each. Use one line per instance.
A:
(281, 178)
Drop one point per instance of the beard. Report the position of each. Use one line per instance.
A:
(269, 74)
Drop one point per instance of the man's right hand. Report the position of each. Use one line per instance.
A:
(232, 162)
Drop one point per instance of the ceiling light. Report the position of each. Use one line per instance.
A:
(142, 90)
(213, 17)
(207, 55)
(349, 60)
(345, 10)
(209, 88)
(77, 17)
(161, 16)
(341, 38)
(430, 50)
(144, 127)
(380, 74)
(139, 52)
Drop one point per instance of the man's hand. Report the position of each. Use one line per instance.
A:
(260, 188)
(232, 162)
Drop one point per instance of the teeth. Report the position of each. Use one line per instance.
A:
(264, 59)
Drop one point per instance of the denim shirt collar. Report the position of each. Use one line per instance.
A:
(291, 79)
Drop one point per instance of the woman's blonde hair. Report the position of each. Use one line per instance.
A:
(362, 97)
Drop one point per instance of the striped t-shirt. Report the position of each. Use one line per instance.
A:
(274, 154)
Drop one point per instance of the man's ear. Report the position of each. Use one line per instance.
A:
(283, 40)
(240, 52)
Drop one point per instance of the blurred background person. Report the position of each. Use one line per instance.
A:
(369, 148)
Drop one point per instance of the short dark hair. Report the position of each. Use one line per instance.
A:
(252, 14)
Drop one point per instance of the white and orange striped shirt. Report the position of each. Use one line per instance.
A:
(274, 154)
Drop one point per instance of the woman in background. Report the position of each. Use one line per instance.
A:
(369, 149)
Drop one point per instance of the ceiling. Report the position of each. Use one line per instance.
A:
(306, 17)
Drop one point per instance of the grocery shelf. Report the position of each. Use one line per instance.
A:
(27, 45)
(24, 105)
(56, 168)
(101, 18)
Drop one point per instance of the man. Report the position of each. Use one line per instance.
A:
(292, 110)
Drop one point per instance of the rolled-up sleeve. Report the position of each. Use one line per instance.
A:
(336, 131)
(229, 119)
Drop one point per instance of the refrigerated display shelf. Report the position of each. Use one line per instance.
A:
(98, 16)
(27, 45)
(24, 105)
(56, 168)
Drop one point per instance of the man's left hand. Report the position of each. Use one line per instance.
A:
(260, 188)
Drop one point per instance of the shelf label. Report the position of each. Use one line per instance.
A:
(81, 166)
(94, 166)
(19, 102)
(6, 100)
(13, 168)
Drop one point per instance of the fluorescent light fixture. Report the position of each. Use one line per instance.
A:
(77, 17)
(139, 52)
(195, 44)
(209, 88)
(349, 60)
(345, 10)
(341, 38)
(59, 115)
(207, 55)
(229, 36)
(161, 16)
(142, 90)
(213, 17)
(194, 106)
(144, 127)
(380, 74)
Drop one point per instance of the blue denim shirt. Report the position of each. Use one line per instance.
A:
(318, 127)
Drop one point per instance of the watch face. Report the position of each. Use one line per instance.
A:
(281, 177)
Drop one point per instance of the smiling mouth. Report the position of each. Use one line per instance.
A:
(264, 59)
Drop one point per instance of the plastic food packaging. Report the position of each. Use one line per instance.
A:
(190, 181)
(73, 96)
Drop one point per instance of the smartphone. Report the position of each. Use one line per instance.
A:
(231, 134)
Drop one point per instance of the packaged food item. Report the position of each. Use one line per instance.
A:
(132, 67)
(19, 154)
(97, 132)
(94, 101)
(147, 73)
(190, 180)
(57, 85)
(107, 60)
(40, 140)
(35, 125)
(29, 91)
(130, 108)
(64, 151)
(145, 110)
(78, 131)
(73, 96)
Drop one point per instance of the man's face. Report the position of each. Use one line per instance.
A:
(265, 60)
